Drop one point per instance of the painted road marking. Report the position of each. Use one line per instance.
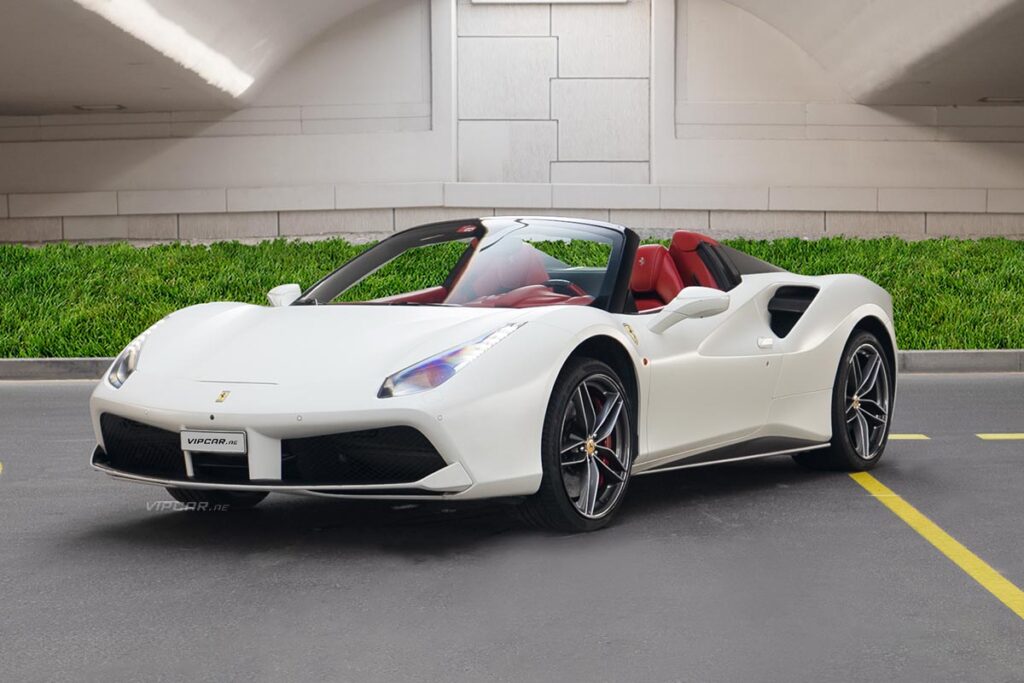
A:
(1001, 437)
(991, 580)
(908, 437)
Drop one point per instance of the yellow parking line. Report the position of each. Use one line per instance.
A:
(991, 580)
(1001, 437)
(908, 437)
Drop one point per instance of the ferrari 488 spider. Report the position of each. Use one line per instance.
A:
(542, 360)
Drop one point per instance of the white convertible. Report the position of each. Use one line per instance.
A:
(540, 359)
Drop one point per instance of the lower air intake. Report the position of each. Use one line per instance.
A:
(391, 455)
(141, 449)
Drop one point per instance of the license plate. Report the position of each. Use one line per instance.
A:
(212, 442)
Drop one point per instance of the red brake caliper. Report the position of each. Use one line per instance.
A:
(606, 442)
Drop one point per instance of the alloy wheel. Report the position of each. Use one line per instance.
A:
(867, 401)
(595, 446)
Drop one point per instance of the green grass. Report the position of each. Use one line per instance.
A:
(75, 300)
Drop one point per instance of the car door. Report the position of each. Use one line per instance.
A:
(711, 379)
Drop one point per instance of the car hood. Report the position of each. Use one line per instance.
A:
(308, 344)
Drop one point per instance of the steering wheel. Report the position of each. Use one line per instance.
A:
(566, 287)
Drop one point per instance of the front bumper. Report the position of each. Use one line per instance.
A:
(490, 445)
(452, 479)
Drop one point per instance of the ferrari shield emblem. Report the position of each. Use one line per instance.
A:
(631, 333)
(223, 396)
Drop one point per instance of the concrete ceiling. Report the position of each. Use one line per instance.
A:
(56, 55)
(939, 52)
(161, 55)
(151, 55)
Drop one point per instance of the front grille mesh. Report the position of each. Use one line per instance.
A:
(228, 468)
(391, 455)
(141, 449)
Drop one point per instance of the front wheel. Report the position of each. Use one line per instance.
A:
(587, 448)
(862, 402)
(210, 500)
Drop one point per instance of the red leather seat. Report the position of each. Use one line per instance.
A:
(688, 262)
(655, 280)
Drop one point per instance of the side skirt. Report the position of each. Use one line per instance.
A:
(764, 447)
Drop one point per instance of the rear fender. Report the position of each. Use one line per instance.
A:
(812, 350)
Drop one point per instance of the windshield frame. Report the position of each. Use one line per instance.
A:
(614, 288)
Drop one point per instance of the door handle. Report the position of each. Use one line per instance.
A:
(765, 342)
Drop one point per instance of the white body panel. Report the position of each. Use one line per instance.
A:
(297, 371)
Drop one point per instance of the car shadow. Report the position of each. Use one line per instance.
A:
(717, 484)
(307, 524)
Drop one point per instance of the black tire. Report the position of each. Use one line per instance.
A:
(209, 500)
(555, 506)
(854, 449)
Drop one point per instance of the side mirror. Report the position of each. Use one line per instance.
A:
(691, 302)
(282, 295)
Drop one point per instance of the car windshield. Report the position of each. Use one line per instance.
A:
(500, 263)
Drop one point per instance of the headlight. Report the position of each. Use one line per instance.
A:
(126, 362)
(436, 370)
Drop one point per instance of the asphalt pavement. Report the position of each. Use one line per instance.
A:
(757, 571)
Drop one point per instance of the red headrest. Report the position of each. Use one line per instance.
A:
(650, 259)
(688, 262)
(683, 240)
(654, 275)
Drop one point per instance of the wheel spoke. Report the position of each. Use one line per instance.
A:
(572, 463)
(574, 446)
(863, 437)
(870, 375)
(590, 491)
(585, 407)
(607, 468)
(609, 416)
(872, 410)
(872, 403)
(880, 419)
(614, 456)
(855, 370)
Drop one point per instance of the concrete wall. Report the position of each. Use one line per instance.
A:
(554, 93)
(660, 114)
(370, 100)
(752, 108)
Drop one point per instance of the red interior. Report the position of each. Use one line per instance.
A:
(655, 280)
(519, 281)
(659, 274)
(688, 262)
(516, 282)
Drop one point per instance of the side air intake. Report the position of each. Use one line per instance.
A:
(788, 306)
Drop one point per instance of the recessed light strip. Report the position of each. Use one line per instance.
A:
(99, 107)
(139, 19)
(1003, 100)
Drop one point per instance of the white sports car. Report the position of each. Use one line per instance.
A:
(541, 359)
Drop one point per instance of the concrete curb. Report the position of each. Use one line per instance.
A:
(53, 368)
(910, 362)
(1011, 360)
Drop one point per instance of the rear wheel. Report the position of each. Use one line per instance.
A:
(862, 402)
(206, 500)
(587, 450)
